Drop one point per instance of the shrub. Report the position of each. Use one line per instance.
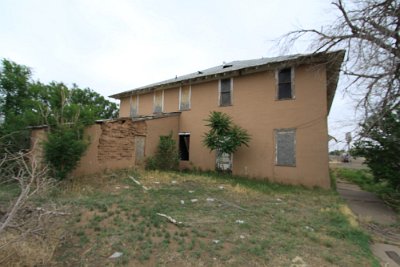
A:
(166, 157)
(63, 150)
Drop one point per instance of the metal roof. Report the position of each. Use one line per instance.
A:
(242, 67)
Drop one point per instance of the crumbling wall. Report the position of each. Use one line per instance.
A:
(112, 146)
(117, 140)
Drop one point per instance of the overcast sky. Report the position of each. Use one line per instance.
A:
(113, 46)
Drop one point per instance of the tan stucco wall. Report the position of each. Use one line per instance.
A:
(255, 109)
(158, 127)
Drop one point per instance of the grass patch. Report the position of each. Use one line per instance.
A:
(366, 181)
(234, 221)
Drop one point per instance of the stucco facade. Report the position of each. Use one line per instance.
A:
(254, 106)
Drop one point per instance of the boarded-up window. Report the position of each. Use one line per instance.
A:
(158, 101)
(134, 101)
(285, 140)
(184, 98)
(184, 142)
(225, 97)
(285, 86)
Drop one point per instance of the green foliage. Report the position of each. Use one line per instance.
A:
(380, 146)
(24, 102)
(224, 135)
(366, 181)
(166, 157)
(63, 150)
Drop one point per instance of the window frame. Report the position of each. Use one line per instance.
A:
(184, 134)
(220, 92)
(162, 101)
(286, 130)
(137, 106)
(292, 84)
(180, 99)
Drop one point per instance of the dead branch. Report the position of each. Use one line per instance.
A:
(369, 31)
(169, 218)
(30, 177)
(232, 205)
(138, 183)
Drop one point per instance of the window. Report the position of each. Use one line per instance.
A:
(225, 92)
(285, 141)
(184, 98)
(158, 101)
(134, 104)
(285, 84)
(184, 142)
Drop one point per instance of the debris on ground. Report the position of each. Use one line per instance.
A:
(221, 187)
(242, 236)
(298, 262)
(194, 200)
(115, 255)
(216, 241)
(309, 228)
(239, 221)
(191, 191)
(134, 180)
(169, 218)
(182, 202)
(138, 183)
(173, 182)
(209, 199)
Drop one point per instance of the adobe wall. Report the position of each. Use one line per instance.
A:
(112, 146)
(255, 108)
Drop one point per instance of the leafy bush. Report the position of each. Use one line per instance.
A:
(63, 150)
(380, 146)
(224, 135)
(166, 157)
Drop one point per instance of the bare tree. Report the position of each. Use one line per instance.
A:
(30, 176)
(369, 30)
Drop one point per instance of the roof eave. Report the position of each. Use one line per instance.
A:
(334, 59)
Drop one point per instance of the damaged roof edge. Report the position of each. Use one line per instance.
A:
(242, 67)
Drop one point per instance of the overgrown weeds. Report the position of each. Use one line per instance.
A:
(225, 220)
(366, 181)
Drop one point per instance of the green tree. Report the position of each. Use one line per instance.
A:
(224, 136)
(24, 102)
(14, 99)
(380, 145)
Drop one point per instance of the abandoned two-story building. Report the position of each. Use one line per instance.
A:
(282, 102)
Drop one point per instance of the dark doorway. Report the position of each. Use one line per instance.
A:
(184, 141)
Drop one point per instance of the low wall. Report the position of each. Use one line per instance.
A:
(112, 146)
(115, 144)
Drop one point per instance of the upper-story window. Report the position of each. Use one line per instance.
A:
(225, 92)
(158, 103)
(285, 84)
(134, 106)
(184, 97)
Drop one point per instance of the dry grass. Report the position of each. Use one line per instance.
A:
(32, 243)
(234, 222)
